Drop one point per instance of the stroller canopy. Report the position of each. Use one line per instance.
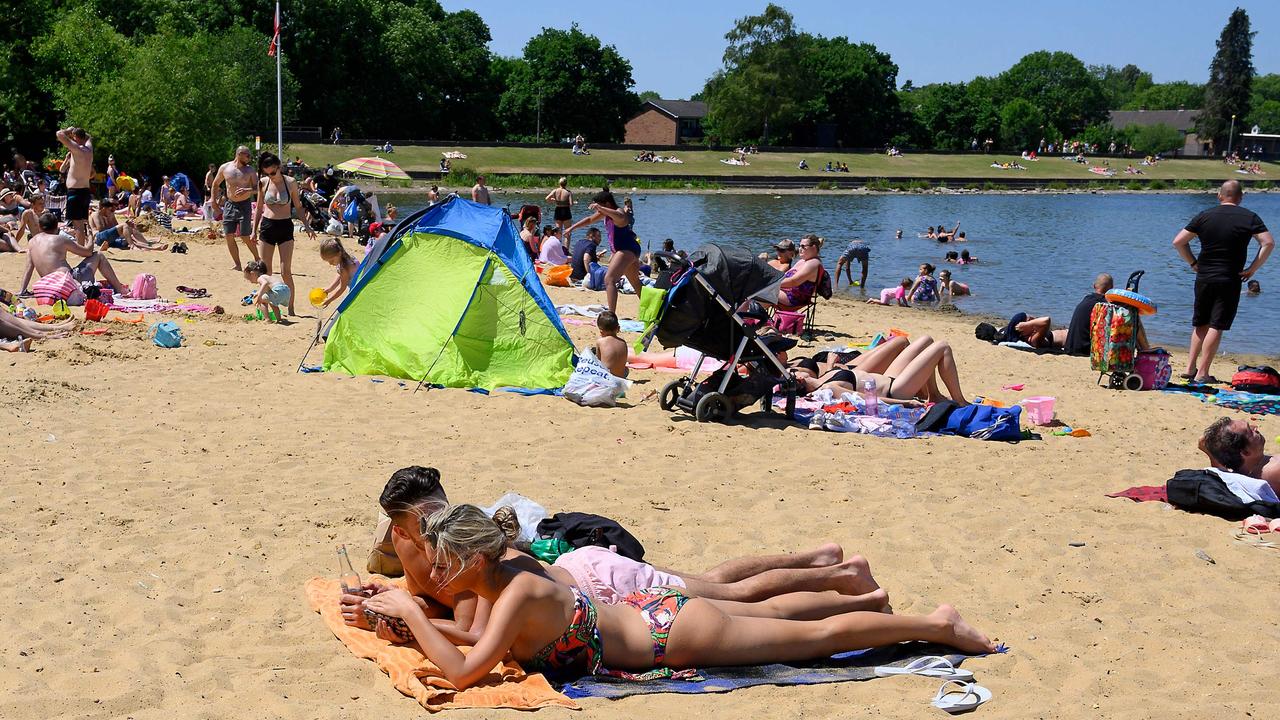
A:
(694, 319)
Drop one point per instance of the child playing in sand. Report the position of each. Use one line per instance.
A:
(332, 252)
(951, 288)
(893, 295)
(611, 349)
(272, 292)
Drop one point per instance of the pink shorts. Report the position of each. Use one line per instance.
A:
(607, 577)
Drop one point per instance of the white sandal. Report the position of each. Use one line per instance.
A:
(968, 697)
(933, 666)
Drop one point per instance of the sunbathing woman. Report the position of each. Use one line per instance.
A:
(547, 626)
(875, 360)
(801, 281)
(909, 375)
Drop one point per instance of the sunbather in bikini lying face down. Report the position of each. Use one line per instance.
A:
(901, 374)
(415, 492)
(548, 626)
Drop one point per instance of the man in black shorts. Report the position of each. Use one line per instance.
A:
(1224, 232)
(78, 166)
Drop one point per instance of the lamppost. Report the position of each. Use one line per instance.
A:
(1232, 136)
(539, 131)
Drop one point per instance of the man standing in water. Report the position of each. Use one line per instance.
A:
(480, 193)
(79, 169)
(241, 182)
(1224, 232)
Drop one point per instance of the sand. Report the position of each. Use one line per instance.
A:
(164, 507)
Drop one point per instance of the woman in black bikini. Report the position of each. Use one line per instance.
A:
(910, 373)
(563, 200)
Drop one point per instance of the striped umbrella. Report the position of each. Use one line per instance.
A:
(374, 167)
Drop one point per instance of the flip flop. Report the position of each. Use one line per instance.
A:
(968, 697)
(934, 666)
(1207, 380)
(1255, 525)
(1188, 376)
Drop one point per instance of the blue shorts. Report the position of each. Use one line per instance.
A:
(111, 238)
(279, 294)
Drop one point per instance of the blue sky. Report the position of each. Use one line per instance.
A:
(674, 46)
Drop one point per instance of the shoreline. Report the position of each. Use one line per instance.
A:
(420, 189)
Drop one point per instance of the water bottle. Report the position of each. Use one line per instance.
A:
(870, 400)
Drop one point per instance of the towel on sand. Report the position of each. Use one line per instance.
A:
(412, 674)
(1143, 493)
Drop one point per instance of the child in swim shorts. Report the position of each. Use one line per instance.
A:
(272, 292)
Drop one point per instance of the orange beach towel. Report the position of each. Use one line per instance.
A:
(508, 686)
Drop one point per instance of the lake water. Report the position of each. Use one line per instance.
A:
(1038, 253)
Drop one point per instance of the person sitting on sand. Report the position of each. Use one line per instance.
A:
(108, 232)
(529, 234)
(272, 292)
(1238, 446)
(910, 374)
(585, 255)
(785, 255)
(611, 349)
(47, 257)
(925, 287)
(546, 626)
(894, 295)
(415, 492)
(552, 251)
(948, 288)
(332, 252)
(1078, 335)
(29, 221)
(800, 282)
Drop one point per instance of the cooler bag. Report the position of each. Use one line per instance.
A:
(1154, 368)
(1113, 341)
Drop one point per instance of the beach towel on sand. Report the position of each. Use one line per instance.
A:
(412, 674)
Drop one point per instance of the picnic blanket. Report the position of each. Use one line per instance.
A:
(844, 667)
(1251, 403)
(508, 686)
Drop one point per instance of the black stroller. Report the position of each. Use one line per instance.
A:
(701, 312)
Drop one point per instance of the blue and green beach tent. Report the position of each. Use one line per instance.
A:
(452, 298)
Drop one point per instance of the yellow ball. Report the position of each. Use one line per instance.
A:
(317, 296)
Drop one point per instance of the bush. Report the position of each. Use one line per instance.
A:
(1057, 185)
(1134, 185)
(878, 185)
(1262, 185)
(1157, 185)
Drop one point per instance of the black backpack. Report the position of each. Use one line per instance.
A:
(584, 529)
(1200, 491)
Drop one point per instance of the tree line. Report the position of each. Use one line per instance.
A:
(178, 82)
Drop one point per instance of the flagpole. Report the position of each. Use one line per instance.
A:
(279, 97)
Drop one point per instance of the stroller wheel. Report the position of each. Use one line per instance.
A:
(1133, 382)
(667, 400)
(713, 407)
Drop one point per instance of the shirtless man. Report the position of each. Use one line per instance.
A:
(47, 254)
(28, 223)
(241, 186)
(1237, 446)
(480, 193)
(109, 232)
(78, 167)
(415, 492)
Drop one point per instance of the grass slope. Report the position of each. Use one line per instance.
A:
(550, 161)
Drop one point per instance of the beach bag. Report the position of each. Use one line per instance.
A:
(1113, 340)
(595, 277)
(584, 530)
(1256, 379)
(1154, 368)
(382, 556)
(351, 213)
(592, 385)
(1201, 491)
(143, 287)
(787, 322)
(165, 335)
(985, 422)
(557, 276)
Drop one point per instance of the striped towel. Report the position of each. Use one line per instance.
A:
(54, 287)
(165, 220)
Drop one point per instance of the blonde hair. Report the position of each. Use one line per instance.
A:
(331, 246)
(815, 239)
(463, 533)
(563, 181)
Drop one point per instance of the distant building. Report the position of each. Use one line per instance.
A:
(663, 123)
(1184, 121)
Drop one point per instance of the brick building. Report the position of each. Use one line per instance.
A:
(666, 123)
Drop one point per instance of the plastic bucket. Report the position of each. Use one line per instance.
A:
(1039, 409)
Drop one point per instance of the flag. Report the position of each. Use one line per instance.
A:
(275, 36)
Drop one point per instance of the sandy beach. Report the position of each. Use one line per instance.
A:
(164, 508)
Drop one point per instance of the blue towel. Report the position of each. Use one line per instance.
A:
(844, 667)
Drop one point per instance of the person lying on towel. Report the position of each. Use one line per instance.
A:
(1238, 446)
(415, 492)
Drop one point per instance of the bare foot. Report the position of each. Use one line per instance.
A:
(23, 345)
(828, 554)
(853, 577)
(960, 634)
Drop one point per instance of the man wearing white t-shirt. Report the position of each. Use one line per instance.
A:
(1237, 446)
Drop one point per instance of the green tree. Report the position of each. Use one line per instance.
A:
(27, 115)
(1067, 95)
(578, 85)
(1158, 138)
(1022, 124)
(853, 87)
(1168, 96)
(759, 92)
(648, 95)
(1227, 94)
(1119, 85)
(1266, 89)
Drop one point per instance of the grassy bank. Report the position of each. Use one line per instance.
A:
(543, 162)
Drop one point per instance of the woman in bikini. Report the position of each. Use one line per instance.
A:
(658, 632)
(901, 373)
(619, 226)
(563, 200)
(277, 199)
(801, 281)
(529, 235)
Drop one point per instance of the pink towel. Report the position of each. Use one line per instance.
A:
(53, 287)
